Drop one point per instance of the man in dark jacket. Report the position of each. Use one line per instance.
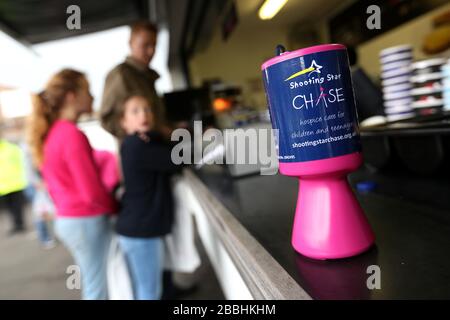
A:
(369, 100)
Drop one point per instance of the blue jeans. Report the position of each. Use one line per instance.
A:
(88, 239)
(42, 230)
(145, 262)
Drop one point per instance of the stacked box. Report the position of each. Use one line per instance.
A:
(427, 81)
(395, 74)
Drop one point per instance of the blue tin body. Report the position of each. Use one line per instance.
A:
(311, 103)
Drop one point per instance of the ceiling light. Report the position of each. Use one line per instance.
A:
(270, 8)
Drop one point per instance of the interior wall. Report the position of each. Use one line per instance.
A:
(238, 60)
(320, 25)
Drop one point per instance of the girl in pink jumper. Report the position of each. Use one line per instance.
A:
(67, 163)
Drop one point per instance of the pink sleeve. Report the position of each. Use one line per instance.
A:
(108, 165)
(84, 171)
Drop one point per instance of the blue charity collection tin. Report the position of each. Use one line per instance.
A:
(311, 103)
(310, 96)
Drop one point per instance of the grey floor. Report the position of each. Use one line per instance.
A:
(28, 271)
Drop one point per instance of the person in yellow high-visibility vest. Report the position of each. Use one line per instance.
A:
(12, 182)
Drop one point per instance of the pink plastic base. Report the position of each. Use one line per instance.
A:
(329, 223)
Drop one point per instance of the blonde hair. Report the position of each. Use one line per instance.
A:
(47, 106)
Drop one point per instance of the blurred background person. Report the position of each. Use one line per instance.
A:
(42, 206)
(132, 76)
(43, 211)
(67, 162)
(369, 100)
(147, 206)
(12, 183)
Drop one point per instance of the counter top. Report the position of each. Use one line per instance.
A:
(411, 246)
(438, 124)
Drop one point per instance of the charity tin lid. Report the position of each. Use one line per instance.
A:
(428, 63)
(426, 77)
(395, 49)
(397, 57)
(397, 109)
(427, 90)
(395, 80)
(301, 52)
(427, 103)
(394, 65)
(397, 95)
(397, 87)
(398, 102)
(396, 73)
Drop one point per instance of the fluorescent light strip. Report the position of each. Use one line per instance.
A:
(270, 8)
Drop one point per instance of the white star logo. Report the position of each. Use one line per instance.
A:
(314, 67)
